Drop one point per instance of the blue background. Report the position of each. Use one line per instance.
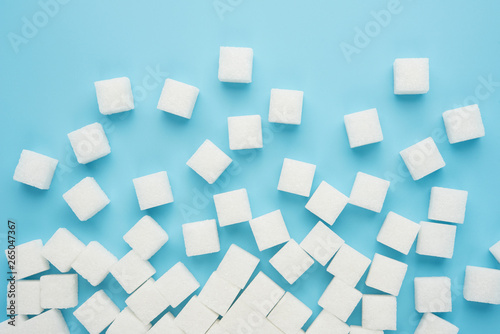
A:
(46, 91)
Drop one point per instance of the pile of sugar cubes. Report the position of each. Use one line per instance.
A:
(238, 297)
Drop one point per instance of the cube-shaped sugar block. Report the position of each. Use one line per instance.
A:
(290, 314)
(422, 159)
(86, 198)
(436, 239)
(369, 192)
(327, 203)
(114, 95)
(463, 124)
(340, 299)
(146, 237)
(127, 323)
(51, 321)
(62, 249)
(35, 169)
(28, 258)
(349, 265)
(379, 312)
(482, 285)
(177, 284)
(386, 274)
(25, 297)
(178, 98)
(431, 323)
(321, 243)
(201, 237)
(237, 266)
(245, 132)
(398, 232)
(89, 143)
(361, 330)
(97, 312)
(262, 294)
(216, 328)
(153, 190)
(195, 317)
(131, 271)
(411, 76)
(209, 161)
(59, 291)
(495, 251)
(166, 325)
(286, 106)
(296, 177)
(432, 294)
(363, 128)
(235, 64)
(218, 294)
(291, 261)
(232, 207)
(269, 230)
(326, 323)
(447, 205)
(147, 302)
(94, 263)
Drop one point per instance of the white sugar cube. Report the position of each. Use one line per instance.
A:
(286, 106)
(290, 314)
(216, 328)
(127, 323)
(35, 169)
(177, 284)
(422, 159)
(114, 95)
(398, 233)
(363, 128)
(241, 318)
(379, 312)
(59, 291)
(131, 271)
(349, 265)
(178, 98)
(269, 230)
(62, 249)
(321, 243)
(436, 239)
(463, 124)
(218, 294)
(411, 76)
(89, 143)
(291, 261)
(94, 263)
(166, 325)
(361, 330)
(327, 203)
(431, 323)
(482, 285)
(209, 161)
(153, 190)
(369, 192)
(386, 274)
(97, 312)
(237, 266)
(235, 64)
(28, 258)
(296, 177)
(340, 299)
(195, 317)
(245, 132)
(495, 251)
(262, 294)
(201, 237)
(146, 237)
(432, 294)
(51, 322)
(25, 296)
(86, 198)
(326, 323)
(147, 302)
(447, 205)
(232, 207)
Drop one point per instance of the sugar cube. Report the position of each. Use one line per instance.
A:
(147, 302)
(86, 198)
(59, 291)
(422, 159)
(436, 239)
(232, 207)
(237, 266)
(166, 325)
(291, 261)
(209, 161)
(262, 294)
(114, 95)
(327, 203)
(25, 297)
(386, 274)
(245, 132)
(153, 190)
(349, 265)
(178, 98)
(269, 230)
(361, 330)
(447, 205)
(379, 312)
(463, 124)
(369, 192)
(195, 317)
(286, 106)
(94, 263)
(131, 271)
(35, 169)
(482, 285)
(321, 243)
(241, 318)
(201, 237)
(218, 294)
(89, 143)
(495, 251)
(296, 177)
(177, 284)
(127, 323)
(398, 232)
(340, 299)
(431, 323)
(235, 64)
(62, 249)
(97, 312)
(363, 128)
(146, 237)
(28, 258)
(411, 76)
(432, 294)
(216, 328)
(290, 314)
(51, 321)
(326, 323)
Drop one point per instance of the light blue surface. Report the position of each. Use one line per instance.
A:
(46, 91)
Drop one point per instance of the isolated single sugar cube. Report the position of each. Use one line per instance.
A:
(379, 312)
(201, 237)
(262, 294)
(232, 207)
(97, 312)
(195, 317)
(35, 169)
(177, 284)
(86, 198)
(369, 192)
(25, 296)
(340, 299)
(235, 64)
(146, 237)
(422, 159)
(62, 249)
(482, 285)
(495, 251)
(209, 161)
(321, 243)
(245, 132)
(436, 239)
(290, 314)
(89, 143)
(360, 330)
(327, 203)
(269, 230)
(166, 325)
(237, 266)
(59, 291)
(51, 321)
(218, 294)
(398, 232)
(153, 190)
(326, 323)
(114, 95)
(411, 76)
(178, 98)
(28, 259)
(286, 106)
(94, 263)
(131, 271)
(296, 177)
(431, 323)
(349, 265)
(147, 302)
(363, 128)
(386, 274)
(127, 322)
(447, 205)
(433, 294)
(291, 261)
(463, 124)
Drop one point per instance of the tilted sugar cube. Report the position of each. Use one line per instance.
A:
(296, 177)
(327, 203)
(131, 271)
(369, 192)
(13, 326)
(25, 296)
(209, 161)
(363, 128)
(463, 124)
(51, 321)
(216, 328)
(431, 323)
(147, 302)
(237, 266)
(232, 207)
(286, 106)
(262, 294)
(94, 263)
(321, 243)
(349, 265)
(35, 169)
(245, 132)
(379, 312)
(386, 274)
(195, 317)
(89, 143)
(166, 325)
(432, 294)
(86, 198)
(326, 323)
(291, 261)
(201, 237)
(482, 285)
(361, 330)
(127, 323)
(153, 190)
(436, 239)
(114, 95)
(411, 76)
(28, 258)
(97, 312)
(269, 230)
(146, 237)
(398, 233)
(218, 294)
(235, 64)
(340, 299)
(447, 205)
(241, 318)
(59, 291)
(62, 249)
(495, 251)
(177, 284)
(290, 314)
(422, 159)
(178, 98)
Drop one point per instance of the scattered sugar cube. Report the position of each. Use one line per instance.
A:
(35, 169)
(218, 294)
(232, 207)
(431, 323)
(166, 325)
(127, 323)
(296, 177)
(177, 284)
(379, 312)
(178, 98)
(146, 237)
(291, 261)
(363, 128)
(114, 95)
(411, 76)
(436, 239)
(147, 302)
(153, 190)
(26, 297)
(62, 249)
(286, 106)
(321, 243)
(201, 237)
(245, 132)
(86, 198)
(290, 314)
(269, 230)
(97, 312)
(51, 321)
(327, 203)
(216, 328)
(241, 318)
(235, 64)
(89, 143)
(28, 258)
(495, 251)
(369, 192)
(59, 291)
(398, 233)
(422, 159)
(386, 275)
(209, 161)
(237, 266)
(94, 263)
(195, 317)
(432, 294)
(131, 271)
(262, 294)
(463, 124)
(349, 265)
(361, 330)
(447, 205)
(340, 299)
(326, 323)
(482, 285)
